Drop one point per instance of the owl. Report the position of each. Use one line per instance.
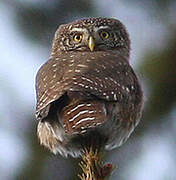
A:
(87, 93)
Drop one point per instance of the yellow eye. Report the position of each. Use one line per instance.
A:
(77, 38)
(104, 35)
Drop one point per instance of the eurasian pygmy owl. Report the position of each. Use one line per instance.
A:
(87, 93)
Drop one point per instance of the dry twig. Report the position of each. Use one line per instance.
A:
(93, 168)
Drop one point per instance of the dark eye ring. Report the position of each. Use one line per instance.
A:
(104, 35)
(77, 38)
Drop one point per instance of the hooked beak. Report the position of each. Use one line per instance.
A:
(91, 43)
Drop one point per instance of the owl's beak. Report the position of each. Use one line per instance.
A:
(91, 43)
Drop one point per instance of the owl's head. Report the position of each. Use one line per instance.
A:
(92, 34)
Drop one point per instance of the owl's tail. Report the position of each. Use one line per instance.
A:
(84, 119)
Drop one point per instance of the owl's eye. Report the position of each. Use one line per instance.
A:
(104, 35)
(77, 38)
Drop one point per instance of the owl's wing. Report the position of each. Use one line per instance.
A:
(108, 78)
(114, 88)
(48, 86)
(112, 85)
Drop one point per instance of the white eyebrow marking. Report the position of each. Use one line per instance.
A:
(101, 27)
(80, 30)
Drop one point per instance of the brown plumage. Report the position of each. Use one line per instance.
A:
(87, 93)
